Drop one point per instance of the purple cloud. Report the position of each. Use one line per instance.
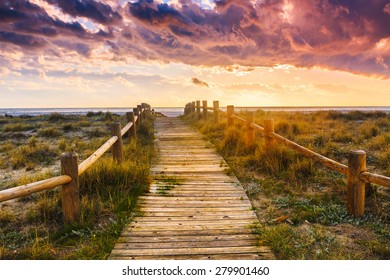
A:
(348, 35)
(91, 9)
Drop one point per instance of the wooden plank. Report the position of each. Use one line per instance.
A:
(195, 193)
(188, 232)
(195, 189)
(202, 187)
(203, 190)
(259, 256)
(185, 244)
(195, 218)
(194, 204)
(191, 203)
(199, 156)
(193, 212)
(186, 238)
(187, 199)
(198, 183)
(183, 227)
(199, 209)
(190, 251)
(216, 166)
(205, 183)
(188, 161)
(183, 223)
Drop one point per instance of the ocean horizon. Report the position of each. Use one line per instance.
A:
(177, 111)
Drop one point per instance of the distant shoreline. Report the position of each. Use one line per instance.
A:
(176, 111)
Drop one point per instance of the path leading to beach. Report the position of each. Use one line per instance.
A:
(195, 209)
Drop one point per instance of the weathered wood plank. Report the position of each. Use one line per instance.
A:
(183, 227)
(198, 218)
(195, 205)
(186, 238)
(258, 256)
(190, 251)
(194, 194)
(186, 244)
(199, 209)
(187, 199)
(203, 232)
(147, 213)
(188, 223)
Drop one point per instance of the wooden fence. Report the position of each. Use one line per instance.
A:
(71, 170)
(356, 172)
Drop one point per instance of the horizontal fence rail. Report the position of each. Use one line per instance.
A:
(356, 172)
(342, 168)
(31, 188)
(70, 201)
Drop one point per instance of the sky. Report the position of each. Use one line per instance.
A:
(116, 53)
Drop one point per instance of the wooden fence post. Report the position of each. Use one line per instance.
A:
(70, 191)
(356, 186)
(216, 111)
(132, 130)
(230, 113)
(204, 103)
(117, 148)
(198, 108)
(193, 106)
(250, 132)
(136, 113)
(268, 128)
(140, 115)
(144, 110)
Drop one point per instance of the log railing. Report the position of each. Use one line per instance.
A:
(71, 170)
(357, 176)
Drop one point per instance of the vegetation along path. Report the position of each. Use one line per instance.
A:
(195, 209)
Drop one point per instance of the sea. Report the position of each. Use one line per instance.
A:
(177, 111)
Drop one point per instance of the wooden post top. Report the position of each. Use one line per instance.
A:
(358, 152)
(230, 108)
(69, 154)
(269, 125)
(130, 116)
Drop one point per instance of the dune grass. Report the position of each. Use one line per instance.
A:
(299, 202)
(32, 228)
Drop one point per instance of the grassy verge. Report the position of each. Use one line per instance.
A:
(31, 227)
(300, 203)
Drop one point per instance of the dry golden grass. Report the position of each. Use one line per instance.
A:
(31, 227)
(280, 182)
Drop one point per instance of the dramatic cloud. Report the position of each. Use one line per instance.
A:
(346, 35)
(91, 9)
(198, 82)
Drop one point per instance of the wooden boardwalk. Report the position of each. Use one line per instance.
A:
(194, 209)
